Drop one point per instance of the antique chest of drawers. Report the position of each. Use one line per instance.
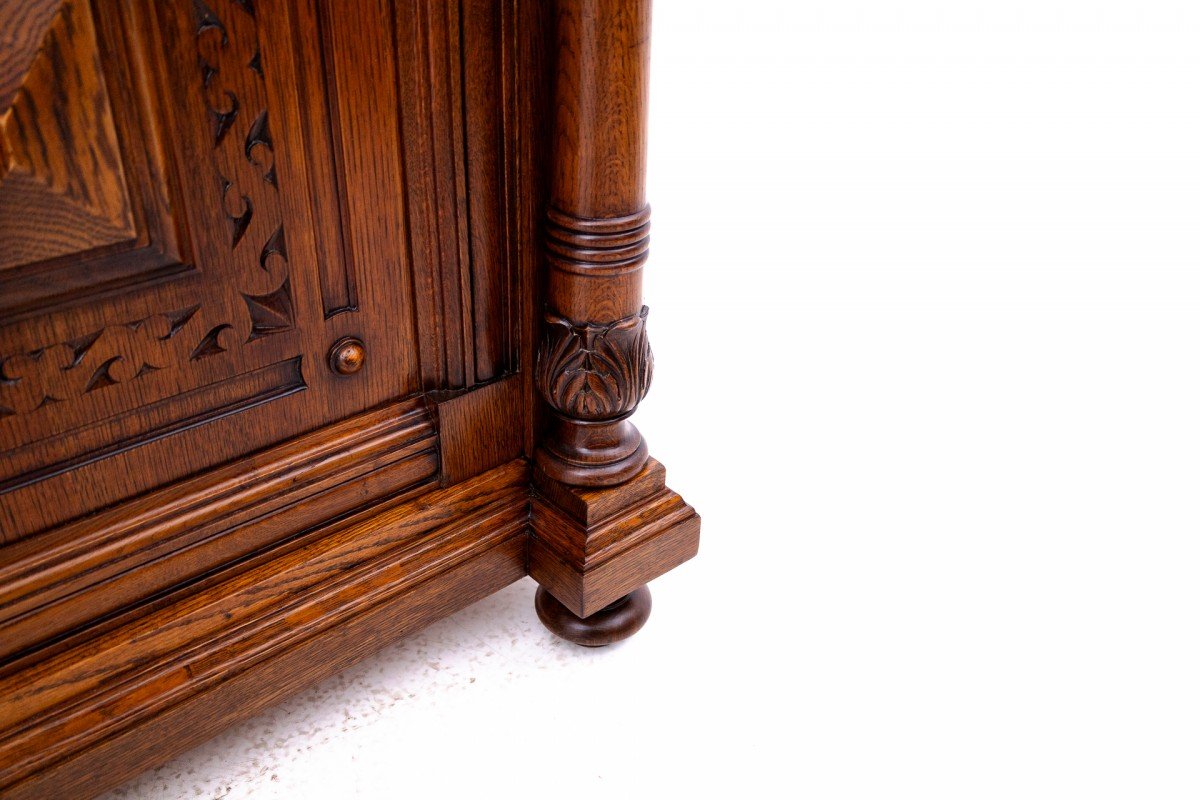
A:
(319, 320)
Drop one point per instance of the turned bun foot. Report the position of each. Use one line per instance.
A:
(619, 620)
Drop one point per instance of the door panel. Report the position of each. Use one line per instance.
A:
(114, 377)
(201, 197)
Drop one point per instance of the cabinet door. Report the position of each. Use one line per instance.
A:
(186, 231)
(200, 199)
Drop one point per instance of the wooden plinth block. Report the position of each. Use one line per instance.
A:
(591, 547)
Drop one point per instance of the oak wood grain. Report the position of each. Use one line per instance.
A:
(49, 584)
(481, 429)
(79, 697)
(81, 164)
(362, 350)
(594, 363)
(62, 182)
(246, 693)
(591, 546)
(276, 134)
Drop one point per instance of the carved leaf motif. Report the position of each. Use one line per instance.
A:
(595, 372)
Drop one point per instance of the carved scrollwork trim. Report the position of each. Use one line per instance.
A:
(116, 354)
(245, 162)
(244, 158)
(595, 372)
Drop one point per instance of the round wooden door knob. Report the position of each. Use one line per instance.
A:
(346, 357)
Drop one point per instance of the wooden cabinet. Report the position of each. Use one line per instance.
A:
(319, 319)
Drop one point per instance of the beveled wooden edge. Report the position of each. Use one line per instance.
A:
(91, 717)
(82, 570)
(587, 590)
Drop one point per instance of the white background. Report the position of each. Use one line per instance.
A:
(925, 292)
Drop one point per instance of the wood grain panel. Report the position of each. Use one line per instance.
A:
(120, 378)
(80, 170)
(24, 26)
(62, 183)
(492, 279)
(481, 428)
(86, 388)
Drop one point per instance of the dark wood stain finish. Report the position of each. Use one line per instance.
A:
(594, 362)
(619, 620)
(318, 321)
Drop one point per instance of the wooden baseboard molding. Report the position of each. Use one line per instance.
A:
(94, 715)
(93, 709)
(97, 565)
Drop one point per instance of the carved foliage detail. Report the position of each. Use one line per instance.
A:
(592, 371)
(117, 354)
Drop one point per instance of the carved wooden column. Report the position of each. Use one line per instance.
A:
(595, 363)
(604, 521)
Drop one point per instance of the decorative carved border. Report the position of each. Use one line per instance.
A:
(124, 352)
